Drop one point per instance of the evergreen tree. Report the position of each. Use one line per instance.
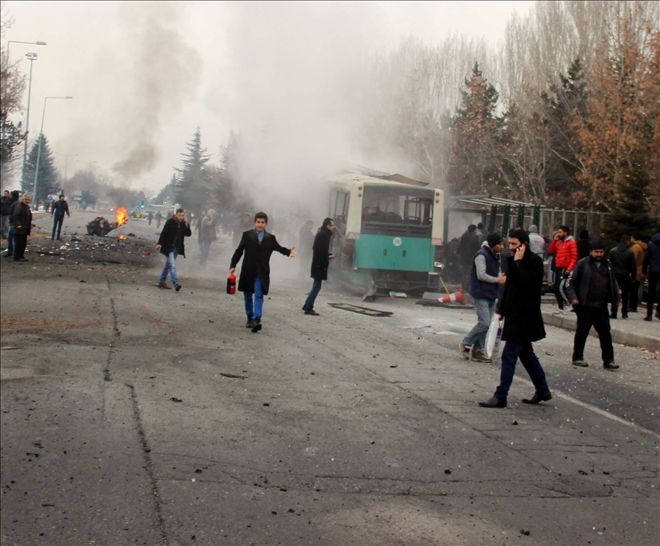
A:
(168, 194)
(631, 212)
(48, 179)
(476, 131)
(192, 188)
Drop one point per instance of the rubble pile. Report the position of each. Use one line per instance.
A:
(117, 249)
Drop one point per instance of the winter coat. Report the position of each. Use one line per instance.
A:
(257, 259)
(521, 301)
(60, 208)
(481, 289)
(207, 230)
(11, 207)
(622, 260)
(565, 252)
(639, 250)
(172, 235)
(652, 257)
(579, 282)
(321, 257)
(22, 219)
(467, 247)
(6, 206)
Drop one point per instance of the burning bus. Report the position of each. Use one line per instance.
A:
(389, 232)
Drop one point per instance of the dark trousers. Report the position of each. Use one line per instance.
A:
(20, 243)
(510, 355)
(624, 285)
(634, 295)
(654, 282)
(558, 287)
(311, 297)
(57, 225)
(600, 320)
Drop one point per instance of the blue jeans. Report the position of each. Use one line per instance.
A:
(477, 336)
(254, 310)
(170, 267)
(311, 298)
(524, 351)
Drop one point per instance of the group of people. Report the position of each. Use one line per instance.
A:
(589, 284)
(255, 246)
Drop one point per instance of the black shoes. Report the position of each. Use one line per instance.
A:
(257, 326)
(312, 312)
(250, 323)
(177, 287)
(493, 403)
(610, 366)
(581, 363)
(164, 286)
(538, 398)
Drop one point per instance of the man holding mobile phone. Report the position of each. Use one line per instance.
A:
(171, 244)
(520, 307)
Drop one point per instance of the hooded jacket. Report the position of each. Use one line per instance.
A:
(565, 252)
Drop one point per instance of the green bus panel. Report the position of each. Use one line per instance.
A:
(394, 253)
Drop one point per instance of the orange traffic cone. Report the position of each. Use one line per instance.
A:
(456, 296)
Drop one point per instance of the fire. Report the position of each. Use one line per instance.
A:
(121, 217)
(122, 237)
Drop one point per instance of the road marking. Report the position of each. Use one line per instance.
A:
(596, 409)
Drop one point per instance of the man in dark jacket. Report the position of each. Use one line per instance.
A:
(254, 280)
(4, 213)
(520, 307)
(320, 262)
(467, 246)
(623, 264)
(59, 208)
(171, 244)
(590, 288)
(651, 268)
(22, 222)
(485, 278)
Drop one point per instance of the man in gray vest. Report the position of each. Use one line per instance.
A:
(484, 280)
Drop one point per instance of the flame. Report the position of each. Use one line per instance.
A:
(121, 217)
(122, 237)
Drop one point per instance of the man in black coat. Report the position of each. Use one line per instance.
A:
(254, 280)
(171, 244)
(320, 262)
(520, 307)
(590, 288)
(625, 267)
(58, 210)
(22, 222)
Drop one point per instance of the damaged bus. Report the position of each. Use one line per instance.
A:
(389, 233)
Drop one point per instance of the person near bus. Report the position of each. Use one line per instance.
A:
(484, 280)
(320, 261)
(58, 210)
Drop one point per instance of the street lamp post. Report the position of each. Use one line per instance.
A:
(20, 42)
(31, 57)
(40, 140)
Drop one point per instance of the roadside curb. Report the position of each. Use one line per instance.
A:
(618, 336)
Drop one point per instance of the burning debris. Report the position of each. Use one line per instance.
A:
(101, 227)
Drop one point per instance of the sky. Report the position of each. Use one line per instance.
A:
(144, 75)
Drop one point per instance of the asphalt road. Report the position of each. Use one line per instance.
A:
(133, 415)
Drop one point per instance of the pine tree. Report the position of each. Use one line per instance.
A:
(631, 212)
(168, 194)
(475, 127)
(48, 179)
(192, 189)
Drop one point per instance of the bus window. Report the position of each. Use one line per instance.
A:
(397, 210)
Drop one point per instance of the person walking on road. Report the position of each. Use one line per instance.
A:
(59, 208)
(171, 244)
(254, 281)
(22, 222)
(565, 252)
(207, 234)
(638, 248)
(13, 203)
(590, 288)
(652, 270)
(320, 262)
(159, 219)
(623, 264)
(520, 307)
(484, 280)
